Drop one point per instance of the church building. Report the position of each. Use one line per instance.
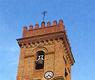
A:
(45, 53)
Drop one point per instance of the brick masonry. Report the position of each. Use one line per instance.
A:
(53, 41)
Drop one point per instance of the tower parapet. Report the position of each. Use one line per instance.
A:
(43, 29)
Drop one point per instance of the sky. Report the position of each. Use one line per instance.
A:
(79, 21)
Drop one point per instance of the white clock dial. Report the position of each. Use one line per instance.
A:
(49, 74)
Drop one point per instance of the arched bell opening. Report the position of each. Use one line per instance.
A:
(40, 60)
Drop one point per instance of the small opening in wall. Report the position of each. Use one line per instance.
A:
(33, 42)
(20, 45)
(61, 38)
(40, 60)
(46, 40)
(24, 44)
(66, 72)
(42, 41)
(38, 42)
(28, 43)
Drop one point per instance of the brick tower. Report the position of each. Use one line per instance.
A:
(45, 53)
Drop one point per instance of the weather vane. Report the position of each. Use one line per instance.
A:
(44, 13)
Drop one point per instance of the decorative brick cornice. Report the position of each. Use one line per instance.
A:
(67, 49)
(28, 43)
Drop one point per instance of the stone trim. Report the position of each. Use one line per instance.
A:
(29, 56)
(50, 53)
(58, 78)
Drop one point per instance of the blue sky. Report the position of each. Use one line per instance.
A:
(78, 16)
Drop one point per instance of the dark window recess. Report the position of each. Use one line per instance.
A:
(29, 43)
(20, 45)
(46, 40)
(24, 44)
(40, 60)
(61, 38)
(66, 73)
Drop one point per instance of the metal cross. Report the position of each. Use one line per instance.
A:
(44, 13)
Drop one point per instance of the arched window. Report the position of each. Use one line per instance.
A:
(40, 60)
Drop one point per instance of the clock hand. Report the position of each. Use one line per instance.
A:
(49, 75)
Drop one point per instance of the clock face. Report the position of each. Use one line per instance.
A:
(48, 75)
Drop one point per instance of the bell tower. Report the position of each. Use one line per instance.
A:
(45, 53)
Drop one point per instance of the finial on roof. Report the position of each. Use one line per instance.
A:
(44, 13)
